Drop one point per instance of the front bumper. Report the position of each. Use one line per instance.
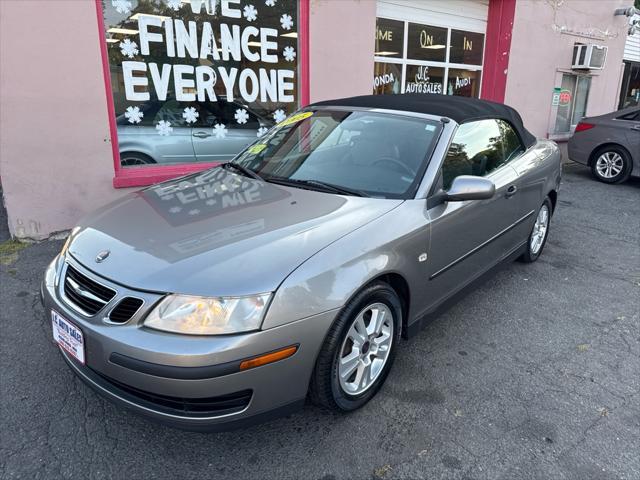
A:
(189, 381)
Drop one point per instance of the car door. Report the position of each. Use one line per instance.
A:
(162, 134)
(224, 130)
(173, 143)
(469, 237)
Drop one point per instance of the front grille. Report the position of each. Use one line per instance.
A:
(85, 294)
(126, 309)
(187, 407)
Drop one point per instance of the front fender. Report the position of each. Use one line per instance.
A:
(390, 244)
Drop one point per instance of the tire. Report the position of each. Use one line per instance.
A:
(130, 159)
(611, 164)
(326, 388)
(534, 248)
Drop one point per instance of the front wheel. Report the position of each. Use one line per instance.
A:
(358, 351)
(538, 237)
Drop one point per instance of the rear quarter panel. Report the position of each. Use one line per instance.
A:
(539, 172)
(583, 144)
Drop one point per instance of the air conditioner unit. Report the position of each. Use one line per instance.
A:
(588, 56)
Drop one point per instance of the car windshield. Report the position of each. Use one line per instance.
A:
(367, 153)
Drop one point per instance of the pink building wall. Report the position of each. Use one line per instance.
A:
(539, 53)
(342, 44)
(55, 156)
(56, 162)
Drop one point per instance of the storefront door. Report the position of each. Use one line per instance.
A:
(572, 105)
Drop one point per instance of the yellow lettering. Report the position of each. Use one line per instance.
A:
(425, 39)
(467, 44)
(386, 35)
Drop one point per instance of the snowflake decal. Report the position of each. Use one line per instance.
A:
(174, 4)
(122, 6)
(289, 54)
(128, 48)
(286, 21)
(219, 130)
(190, 114)
(250, 13)
(164, 128)
(133, 114)
(279, 115)
(175, 209)
(262, 131)
(270, 3)
(241, 116)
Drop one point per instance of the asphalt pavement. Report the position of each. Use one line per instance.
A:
(533, 375)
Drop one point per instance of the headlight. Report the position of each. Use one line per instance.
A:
(208, 316)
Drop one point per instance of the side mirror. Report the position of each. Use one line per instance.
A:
(469, 187)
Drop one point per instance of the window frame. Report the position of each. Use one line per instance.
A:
(634, 114)
(404, 61)
(438, 182)
(148, 175)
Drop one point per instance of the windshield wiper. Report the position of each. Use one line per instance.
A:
(244, 170)
(316, 185)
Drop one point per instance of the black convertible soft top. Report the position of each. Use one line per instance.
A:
(460, 109)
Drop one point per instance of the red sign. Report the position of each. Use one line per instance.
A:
(565, 97)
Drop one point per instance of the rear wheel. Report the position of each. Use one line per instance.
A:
(539, 233)
(611, 164)
(358, 351)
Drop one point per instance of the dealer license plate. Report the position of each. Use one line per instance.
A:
(68, 336)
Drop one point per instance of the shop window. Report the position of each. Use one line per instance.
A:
(466, 47)
(387, 78)
(195, 81)
(464, 83)
(572, 102)
(630, 91)
(424, 79)
(427, 43)
(389, 38)
(426, 59)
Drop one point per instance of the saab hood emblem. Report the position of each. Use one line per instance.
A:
(102, 256)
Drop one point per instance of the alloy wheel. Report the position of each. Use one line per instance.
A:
(539, 230)
(609, 164)
(365, 349)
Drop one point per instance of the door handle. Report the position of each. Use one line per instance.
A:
(635, 127)
(511, 191)
(201, 134)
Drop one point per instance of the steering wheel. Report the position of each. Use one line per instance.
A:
(396, 162)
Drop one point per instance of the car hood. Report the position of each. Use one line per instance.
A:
(215, 233)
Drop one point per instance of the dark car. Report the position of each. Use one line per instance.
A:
(609, 144)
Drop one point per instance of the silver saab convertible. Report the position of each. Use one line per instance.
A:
(231, 295)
